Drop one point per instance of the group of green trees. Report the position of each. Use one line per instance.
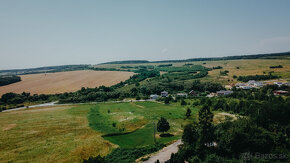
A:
(12, 100)
(279, 66)
(217, 67)
(263, 129)
(256, 77)
(5, 80)
(224, 73)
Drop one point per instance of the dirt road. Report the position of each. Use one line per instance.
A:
(164, 154)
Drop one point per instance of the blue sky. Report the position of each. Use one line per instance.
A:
(37, 33)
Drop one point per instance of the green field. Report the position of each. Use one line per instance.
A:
(74, 133)
(134, 122)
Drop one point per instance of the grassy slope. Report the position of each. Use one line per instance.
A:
(48, 135)
(137, 116)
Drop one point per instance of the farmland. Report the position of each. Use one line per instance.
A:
(60, 82)
(235, 67)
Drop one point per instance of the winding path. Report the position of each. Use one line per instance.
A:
(164, 154)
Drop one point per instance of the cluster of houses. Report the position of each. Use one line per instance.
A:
(249, 85)
(254, 84)
(165, 94)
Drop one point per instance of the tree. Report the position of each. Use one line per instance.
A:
(188, 113)
(190, 134)
(205, 117)
(167, 100)
(163, 125)
(182, 102)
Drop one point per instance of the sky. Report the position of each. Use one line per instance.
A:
(36, 33)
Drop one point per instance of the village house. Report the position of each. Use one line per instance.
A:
(192, 93)
(181, 95)
(164, 94)
(224, 93)
(280, 92)
(211, 95)
(278, 83)
(251, 82)
(258, 84)
(238, 85)
(288, 83)
(154, 97)
(246, 87)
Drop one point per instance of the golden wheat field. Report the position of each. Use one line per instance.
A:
(60, 82)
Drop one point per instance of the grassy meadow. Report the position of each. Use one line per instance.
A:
(134, 122)
(52, 134)
(73, 133)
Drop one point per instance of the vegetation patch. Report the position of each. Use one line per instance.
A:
(6, 80)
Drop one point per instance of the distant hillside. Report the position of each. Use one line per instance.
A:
(47, 69)
(127, 62)
(255, 56)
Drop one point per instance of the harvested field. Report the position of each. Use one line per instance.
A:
(61, 82)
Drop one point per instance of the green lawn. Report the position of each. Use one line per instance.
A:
(134, 122)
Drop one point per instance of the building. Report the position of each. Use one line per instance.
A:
(164, 94)
(192, 93)
(258, 84)
(278, 83)
(280, 92)
(154, 97)
(211, 95)
(238, 85)
(228, 87)
(251, 82)
(181, 95)
(246, 87)
(224, 93)
(288, 83)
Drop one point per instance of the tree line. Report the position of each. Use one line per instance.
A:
(6, 80)
(256, 77)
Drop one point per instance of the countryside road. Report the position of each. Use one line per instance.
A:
(164, 154)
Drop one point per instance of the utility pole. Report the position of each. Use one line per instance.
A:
(154, 133)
